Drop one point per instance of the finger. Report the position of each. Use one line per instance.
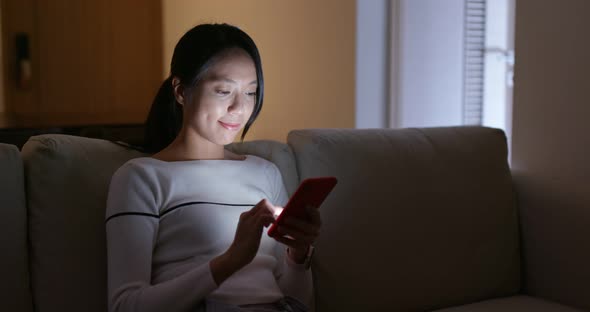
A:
(265, 204)
(254, 209)
(278, 211)
(296, 234)
(260, 206)
(290, 242)
(263, 211)
(270, 207)
(303, 226)
(314, 214)
(265, 220)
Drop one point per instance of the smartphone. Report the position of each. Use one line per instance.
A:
(313, 192)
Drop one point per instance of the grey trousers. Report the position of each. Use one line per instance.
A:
(286, 304)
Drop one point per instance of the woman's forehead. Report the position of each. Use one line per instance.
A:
(231, 67)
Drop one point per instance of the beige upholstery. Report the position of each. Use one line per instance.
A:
(420, 219)
(512, 304)
(67, 185)
(14, 270)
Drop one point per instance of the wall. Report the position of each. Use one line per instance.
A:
(372, 64)
(308, 54)
(89, 63)
(551, 146)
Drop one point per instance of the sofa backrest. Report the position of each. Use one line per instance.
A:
(15, 290)
(420, 218)
(67, 184)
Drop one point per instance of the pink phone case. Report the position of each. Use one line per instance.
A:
(312, 191)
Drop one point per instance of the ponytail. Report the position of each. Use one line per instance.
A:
(164, 120)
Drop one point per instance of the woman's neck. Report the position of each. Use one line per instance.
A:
(187, 146)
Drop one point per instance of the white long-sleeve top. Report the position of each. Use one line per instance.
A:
(166, 220)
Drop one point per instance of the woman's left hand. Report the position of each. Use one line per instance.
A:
(300, 234)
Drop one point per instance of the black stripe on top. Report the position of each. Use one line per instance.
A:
(172, 209)
(132, 214)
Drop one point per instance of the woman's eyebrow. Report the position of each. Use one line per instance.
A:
(225, 79)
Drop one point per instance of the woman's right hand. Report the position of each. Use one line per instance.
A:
(249, 232)
(246, 241)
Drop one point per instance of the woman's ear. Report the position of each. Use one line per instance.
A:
(178, 90)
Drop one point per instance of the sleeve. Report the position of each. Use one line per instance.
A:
(132, 221)
(293, 278)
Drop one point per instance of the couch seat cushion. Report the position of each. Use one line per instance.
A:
(512, 304)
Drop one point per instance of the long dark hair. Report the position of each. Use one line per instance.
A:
(193, 55)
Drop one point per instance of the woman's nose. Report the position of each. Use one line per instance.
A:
(237, 105)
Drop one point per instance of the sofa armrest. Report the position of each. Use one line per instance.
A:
(555, 226)
(15, 286)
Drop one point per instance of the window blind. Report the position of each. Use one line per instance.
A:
(474, 41)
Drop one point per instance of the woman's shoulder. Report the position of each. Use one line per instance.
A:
(134, 170)
(267, 168)
(134, 187)
(270, 179)
(136, 164)
(262, 163)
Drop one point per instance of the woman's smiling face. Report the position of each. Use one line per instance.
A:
(223, 100)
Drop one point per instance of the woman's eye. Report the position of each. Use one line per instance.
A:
(222, 92)
(251, 93)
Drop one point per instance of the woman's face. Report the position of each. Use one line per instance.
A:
(224, 98)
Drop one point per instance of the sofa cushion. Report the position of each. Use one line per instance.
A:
(420, 218)
(15, 286)
(512, 304)
(67, 185)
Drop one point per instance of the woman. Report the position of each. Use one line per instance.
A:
(186, 226)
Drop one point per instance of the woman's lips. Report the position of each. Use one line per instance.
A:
(230, 126)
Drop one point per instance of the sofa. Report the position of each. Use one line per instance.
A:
(422, 219)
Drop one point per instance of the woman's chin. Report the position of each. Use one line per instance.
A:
(227, 139)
